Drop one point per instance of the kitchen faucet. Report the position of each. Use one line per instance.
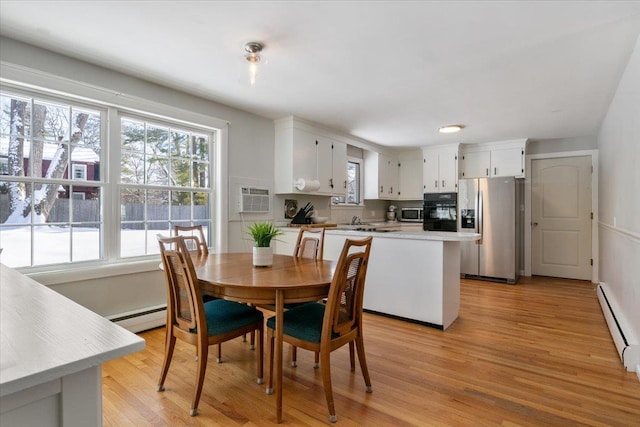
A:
(355, 220)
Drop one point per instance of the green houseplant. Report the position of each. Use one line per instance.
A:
(262, 233)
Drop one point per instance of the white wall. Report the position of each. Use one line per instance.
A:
(250, 153)
(559, 145)
(619, 203)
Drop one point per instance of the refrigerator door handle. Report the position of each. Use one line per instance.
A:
(480, 226)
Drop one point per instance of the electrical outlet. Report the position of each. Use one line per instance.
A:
(373, 213)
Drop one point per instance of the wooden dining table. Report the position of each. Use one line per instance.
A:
(289, 280)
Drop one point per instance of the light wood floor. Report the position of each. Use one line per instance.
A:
(534, 354)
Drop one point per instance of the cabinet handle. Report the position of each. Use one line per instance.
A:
(487, 171)
(331, 182)
(381, 188)
(495, 171)
(391, 190)
(436, 184)
(345, 184)
(443, 183)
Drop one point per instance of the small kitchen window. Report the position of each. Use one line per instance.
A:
(354, 190)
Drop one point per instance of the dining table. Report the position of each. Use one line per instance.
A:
(289, 279)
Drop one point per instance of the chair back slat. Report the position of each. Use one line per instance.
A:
(310, 243)
(343, 312)
(185, 300)
(194, 238)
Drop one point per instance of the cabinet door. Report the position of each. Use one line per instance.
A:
(325, 165)
(410, 180)
(339, 167)
(304, 155)
(476, 164)
(392, 172)
(507, 162)
(430, 173)
(448, 168)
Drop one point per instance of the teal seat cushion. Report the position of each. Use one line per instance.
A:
(225, 316)
(303, 322)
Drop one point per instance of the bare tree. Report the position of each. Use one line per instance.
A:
(22, 199)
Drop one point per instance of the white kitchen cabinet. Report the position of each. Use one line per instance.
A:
(486, 160)
(339, 163)
(440, 171)
(507, 162)
(476, 164)
(410, 179)
(380, 176)
(304, 154)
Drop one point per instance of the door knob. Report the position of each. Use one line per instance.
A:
(535, 224)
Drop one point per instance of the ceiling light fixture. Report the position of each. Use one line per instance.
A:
(253, 56)
(450, 128)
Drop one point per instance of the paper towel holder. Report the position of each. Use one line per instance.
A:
(303, 185)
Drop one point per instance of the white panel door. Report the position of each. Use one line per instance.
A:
(561, 217)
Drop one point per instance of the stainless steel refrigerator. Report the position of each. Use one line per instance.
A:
(489, 206)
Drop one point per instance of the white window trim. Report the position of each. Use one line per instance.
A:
(45, 84)
(80, 167)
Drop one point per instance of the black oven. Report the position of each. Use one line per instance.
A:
(440, 212)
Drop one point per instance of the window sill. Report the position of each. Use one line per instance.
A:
(93, 271)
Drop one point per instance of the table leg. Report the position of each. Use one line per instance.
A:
(278, 355)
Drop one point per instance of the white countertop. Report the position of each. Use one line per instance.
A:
(409, 233)
(45, 336)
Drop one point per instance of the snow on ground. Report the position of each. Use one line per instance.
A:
(53, 244)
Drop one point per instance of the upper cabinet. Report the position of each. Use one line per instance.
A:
(497, 159)
(380, 176)
(440, 169)
(410, 177)
(304, 155)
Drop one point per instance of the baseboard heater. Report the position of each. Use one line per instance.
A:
(141, 320)
(628, 350)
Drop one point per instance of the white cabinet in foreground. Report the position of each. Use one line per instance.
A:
(52, 352)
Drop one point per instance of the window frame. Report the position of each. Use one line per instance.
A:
(80, 167)
(360, 203)
(116, 103)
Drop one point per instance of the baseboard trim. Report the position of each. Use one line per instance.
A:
(628, 350)
(141, 320)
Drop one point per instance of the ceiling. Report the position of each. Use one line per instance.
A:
(388, 72)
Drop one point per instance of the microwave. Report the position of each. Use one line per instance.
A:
(411, 214)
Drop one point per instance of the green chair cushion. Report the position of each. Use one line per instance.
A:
(225, 316)
(303, 322)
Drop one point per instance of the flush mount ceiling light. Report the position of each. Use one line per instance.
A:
(253, 57)
(450, 128)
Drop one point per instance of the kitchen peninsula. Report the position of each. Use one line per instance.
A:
(413, 275)
(51, 355)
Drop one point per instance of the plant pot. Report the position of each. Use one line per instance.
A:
(262, 257)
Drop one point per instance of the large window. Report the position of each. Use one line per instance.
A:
(59, 185)
(40, 222)
(164, 174)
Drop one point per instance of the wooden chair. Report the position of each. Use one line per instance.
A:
(194, 238)
(198, 323)
(327, 327)
(310, 244)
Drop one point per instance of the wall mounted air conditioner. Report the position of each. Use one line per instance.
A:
(253, 199)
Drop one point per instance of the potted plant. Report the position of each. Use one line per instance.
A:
(262, 233)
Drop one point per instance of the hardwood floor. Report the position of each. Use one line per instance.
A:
(534, 354)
